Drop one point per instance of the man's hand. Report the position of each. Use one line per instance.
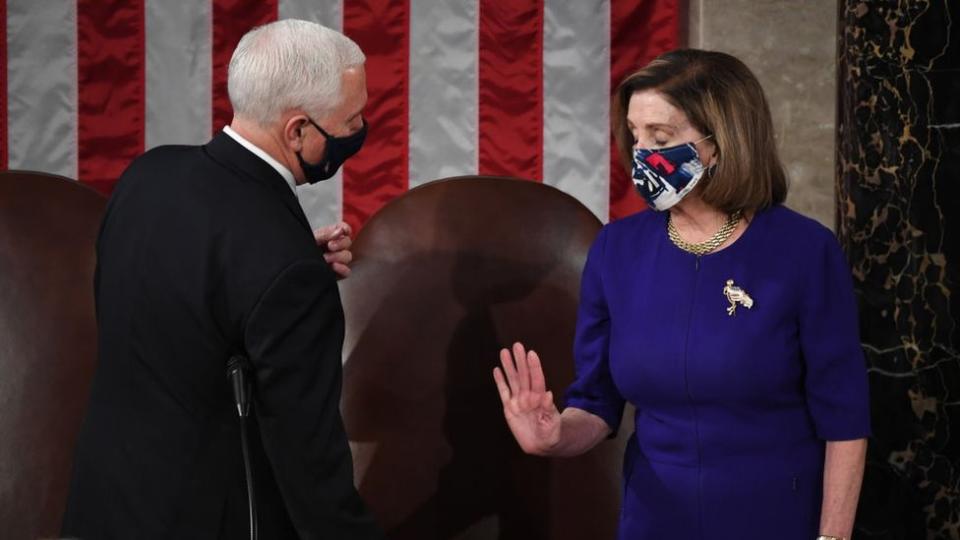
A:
(335, 241)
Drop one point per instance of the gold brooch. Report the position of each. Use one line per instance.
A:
(735, 295)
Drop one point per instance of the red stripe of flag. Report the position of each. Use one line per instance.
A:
(379, 172)
(4, 136)
(639, 31)
(231, 20)
(110, 96)
(511, 88)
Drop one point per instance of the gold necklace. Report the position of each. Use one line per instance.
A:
(709, 244)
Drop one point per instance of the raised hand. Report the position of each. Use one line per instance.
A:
(527, 405)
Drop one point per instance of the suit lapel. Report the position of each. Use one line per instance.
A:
(232, 155)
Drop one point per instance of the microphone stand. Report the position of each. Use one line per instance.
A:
(236, 373)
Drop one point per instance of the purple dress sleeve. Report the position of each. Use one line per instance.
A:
(836, 376)
(593, 390)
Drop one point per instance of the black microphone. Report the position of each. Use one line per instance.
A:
(236, 373)
(238, 381)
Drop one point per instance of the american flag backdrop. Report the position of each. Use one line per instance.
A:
(456, 87)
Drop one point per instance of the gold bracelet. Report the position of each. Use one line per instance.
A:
(828, 537)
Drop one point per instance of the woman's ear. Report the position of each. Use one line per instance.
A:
(711, 156)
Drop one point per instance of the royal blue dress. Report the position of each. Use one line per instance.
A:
(732, 410)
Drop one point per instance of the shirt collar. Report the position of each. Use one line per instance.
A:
(284, 172)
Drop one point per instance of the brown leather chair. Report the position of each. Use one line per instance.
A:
(48, 225)
(445, 276)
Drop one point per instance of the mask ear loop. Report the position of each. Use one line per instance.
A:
(693, 144)
(708, 171)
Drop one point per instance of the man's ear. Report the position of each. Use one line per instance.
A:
(293, 132)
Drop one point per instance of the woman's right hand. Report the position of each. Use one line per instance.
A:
(527, 405)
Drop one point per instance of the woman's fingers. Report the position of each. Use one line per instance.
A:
(521, 382)
(509, 370)
(522, 390)
(523, 374)
(501, 386)
(547, 401)
(538, 382)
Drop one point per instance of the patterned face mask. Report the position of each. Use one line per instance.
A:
(664, 176)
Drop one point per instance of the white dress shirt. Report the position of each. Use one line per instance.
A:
(284, 172)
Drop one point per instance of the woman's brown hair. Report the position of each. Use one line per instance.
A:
(720, 97)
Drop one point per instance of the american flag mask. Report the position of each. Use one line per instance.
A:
(663, 176)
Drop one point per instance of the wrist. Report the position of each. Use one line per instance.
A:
(831, 537)
(550, 448)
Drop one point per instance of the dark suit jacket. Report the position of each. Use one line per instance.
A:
(205, 252)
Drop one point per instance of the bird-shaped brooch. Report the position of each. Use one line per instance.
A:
(736, 295)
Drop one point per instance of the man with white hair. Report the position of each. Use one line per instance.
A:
(206, 264)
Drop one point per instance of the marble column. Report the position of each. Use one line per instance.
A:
(898, 216)
(791, 48)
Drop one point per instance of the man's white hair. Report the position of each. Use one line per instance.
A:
(289, 64)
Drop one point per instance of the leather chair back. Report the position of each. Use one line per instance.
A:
(444, 276)
(48, 227)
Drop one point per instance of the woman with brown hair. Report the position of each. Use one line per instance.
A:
(726, 319)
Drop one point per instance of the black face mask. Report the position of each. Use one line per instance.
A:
(338, 150)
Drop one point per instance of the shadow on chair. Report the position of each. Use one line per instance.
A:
(48, 226)
(444, 277)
